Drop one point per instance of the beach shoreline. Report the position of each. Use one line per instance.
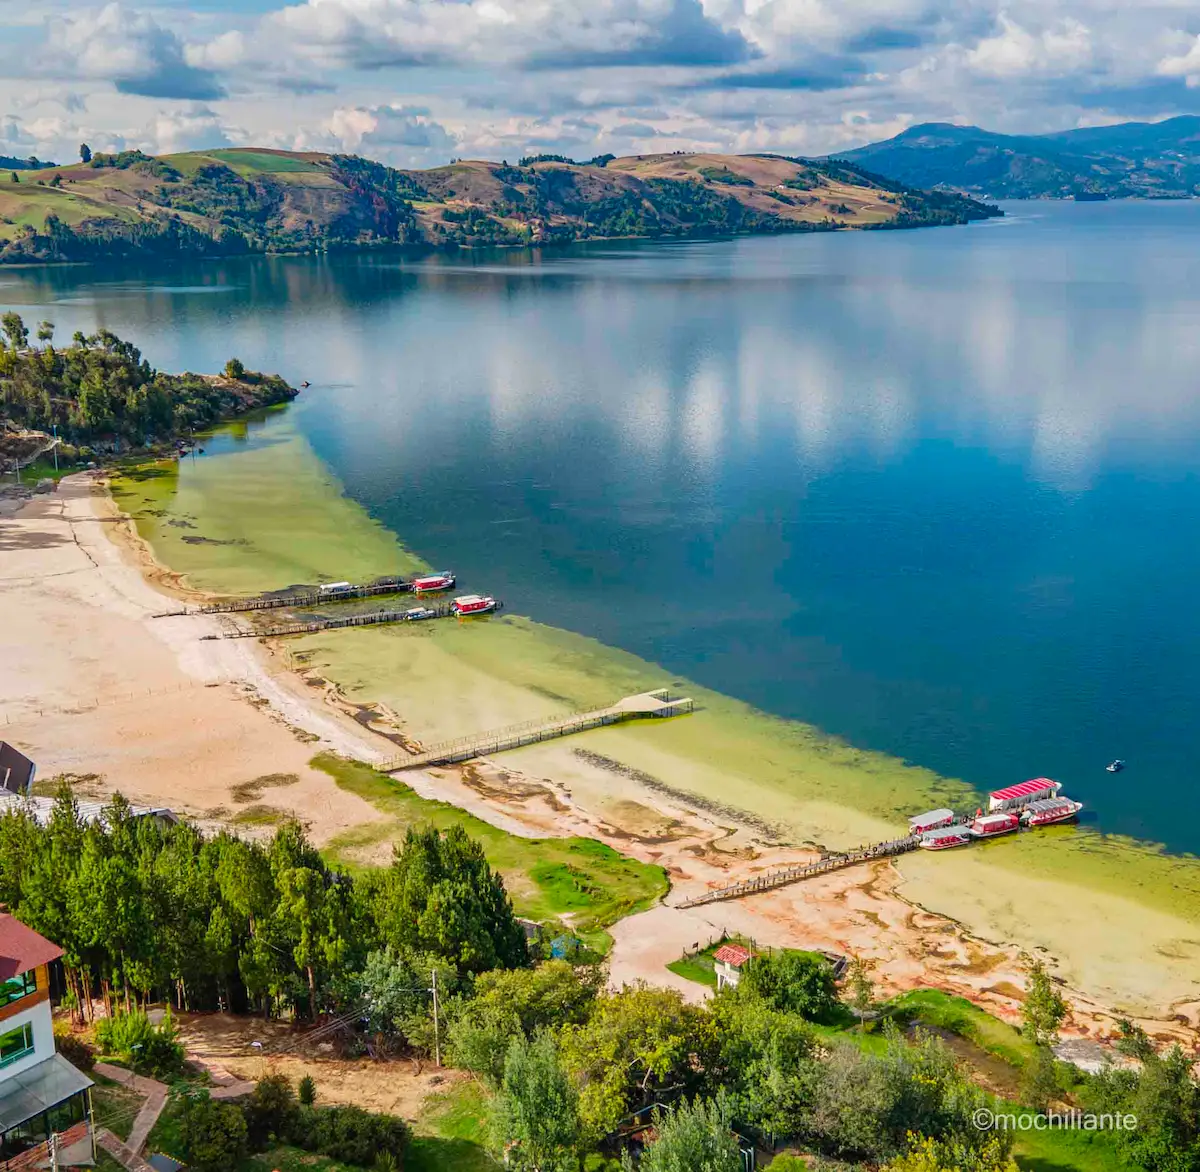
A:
(306, 698)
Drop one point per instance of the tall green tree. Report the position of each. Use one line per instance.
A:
(794, 982)
(692, 1137)
(14, 327)
(535, 1119)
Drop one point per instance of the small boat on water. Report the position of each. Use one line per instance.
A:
(990, 825)
(472, 604)
(417, 613)
(431, 583)
(1115, 766)
(1049, 811)
(945, 838)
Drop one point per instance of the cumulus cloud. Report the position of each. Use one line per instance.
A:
(1013, 51)
(1185, 65)
(130, 49)
(389, 127)
(540, 34)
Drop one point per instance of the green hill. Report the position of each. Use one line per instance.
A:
(225, 202)
(1155, 160)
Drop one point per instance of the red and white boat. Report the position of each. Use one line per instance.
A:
(989, 825)
(945, 838)
(934, 820)
(1016, 797)
(470, 604)
(1049, 811)
(444, 580)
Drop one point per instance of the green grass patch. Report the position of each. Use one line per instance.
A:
(115, 1106)
(260, 816)
(261, 161)
(286, 1159)
(699, 967)
(958, 1016)
(546, 877)
(450, 1135)
(1068, 1151)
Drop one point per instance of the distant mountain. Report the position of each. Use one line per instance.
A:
(1155, 160)
(225, 202)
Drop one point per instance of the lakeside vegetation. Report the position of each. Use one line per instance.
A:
(237, 201)
(100, 393)
(569, 1074)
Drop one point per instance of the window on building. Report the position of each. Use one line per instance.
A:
(16, 1044)
(17, 987)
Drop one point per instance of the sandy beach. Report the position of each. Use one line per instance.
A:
(98, 688)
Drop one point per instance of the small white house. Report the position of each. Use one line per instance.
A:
(728, 961)
(41, 1094)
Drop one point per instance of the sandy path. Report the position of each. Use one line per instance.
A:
(92, 684)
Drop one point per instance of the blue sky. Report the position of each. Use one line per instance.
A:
(416, 82)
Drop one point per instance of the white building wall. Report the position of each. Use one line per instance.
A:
(42, 1020)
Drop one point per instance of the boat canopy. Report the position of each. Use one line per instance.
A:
(946, 834)
(1050, 806)
(931, 820)
(1023, 793)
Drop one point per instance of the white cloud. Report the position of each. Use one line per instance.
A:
(401, 134)
(1015, 51)
(1185, 65)
(130, 49)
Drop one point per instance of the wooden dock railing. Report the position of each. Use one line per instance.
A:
(308, 627)
(834, 862)
(656, 704)
(307, 598)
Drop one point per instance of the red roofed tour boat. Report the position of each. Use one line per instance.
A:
(443, 580)
(990, 825)
(945, 838)
(470, 604)
(1050, 810)
(1014, 797)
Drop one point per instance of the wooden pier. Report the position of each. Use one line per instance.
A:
(310, 626)
(833, 862)
(657, 704)
(299, 601)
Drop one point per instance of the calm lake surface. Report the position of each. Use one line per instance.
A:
(935, 492)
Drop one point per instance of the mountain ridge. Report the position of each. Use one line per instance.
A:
(247, 200)
(1149, 160)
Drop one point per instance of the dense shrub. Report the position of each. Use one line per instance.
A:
(213, 1134)
(348, 1133)
(74, 1049)
(133, 1038)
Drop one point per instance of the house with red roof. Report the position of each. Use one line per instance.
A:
(728, 961)
(44, 1100)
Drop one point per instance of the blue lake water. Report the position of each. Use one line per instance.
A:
(935, 492)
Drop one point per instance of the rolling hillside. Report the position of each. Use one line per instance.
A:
(1156, 160)
(243, 200)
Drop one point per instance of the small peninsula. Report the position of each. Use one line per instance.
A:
(245, 201)
(99, 394)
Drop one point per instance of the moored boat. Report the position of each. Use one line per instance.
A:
(990, 825)
(934, 820)
(1050, 810)
(1016, 797)
(1115, 766)
(945, 838)
(470, 604)
(443, 580)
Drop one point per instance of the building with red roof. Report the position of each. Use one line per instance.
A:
(42, 1096)
(728, 961)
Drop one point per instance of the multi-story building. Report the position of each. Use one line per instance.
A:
(42, 1096)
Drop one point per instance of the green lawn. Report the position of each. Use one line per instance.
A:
(546, 877)
(450, 1135)
(959, 1016)
(698, 968)
(114, 1106)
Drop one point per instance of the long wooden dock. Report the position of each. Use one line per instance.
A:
(299, 601)
(657, 704)
(309, 626)
(834, 862)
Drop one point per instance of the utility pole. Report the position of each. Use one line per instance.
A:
(55, 429)
(437, 1039)
(53, 1152)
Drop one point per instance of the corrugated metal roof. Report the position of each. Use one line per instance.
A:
(42, 808)
(1023, 789)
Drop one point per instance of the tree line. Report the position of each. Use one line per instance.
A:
(101, 388)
